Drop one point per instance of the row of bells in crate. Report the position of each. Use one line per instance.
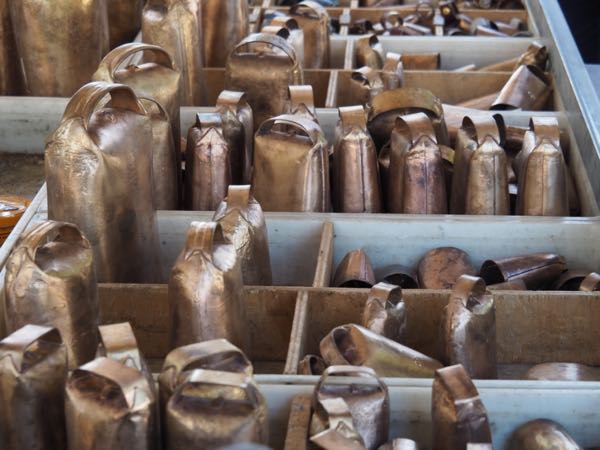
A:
(60, 47)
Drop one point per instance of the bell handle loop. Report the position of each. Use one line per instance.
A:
(162, 113)
(353, 116)
(118, 338)
(86, 99)
(238, 196)
(545, 128)
(269, 39)
(387, 292)
(367, 74)
(226, 379)
(232, 99)
(480, 127)
(310, 128)
(313, 7)
(407, 98)
(17, 343)
(208, 120)
(215, 350)
(392, 60)
(115, 58)
(203, 236)
(302, 95)
(414, 126)
(128, 380)
(358, 371)
(67, 231)
(469, 287)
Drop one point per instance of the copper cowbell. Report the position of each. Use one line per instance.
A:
(33, 370)
(368, 403)
(206, 289)
(290, 154)
(60, 43)
(238, 130)
(124, 20)
(416, 180)
(224, 24)
(288, 28)
(175, 26)
(541, 434)
(314, 21)
(542, 171)
(263, 66)
(101, 160)
(243, 224)
(50, 280)
(385, 312)
(110, 406)
(207, 165)
(480, 177)
(211, 409)
(365, 84)
(11, 77)
(356, 186)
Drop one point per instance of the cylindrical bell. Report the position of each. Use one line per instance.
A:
(206, 289)
(60, 43)
(527, 89)
(541, 434)
(224, 24)
(469, 328)
(563, 372)
(537, 270)
(314, 21)
(369, 52)
(110, 406)
(355, 270)
(367, 402)
(124, 20)
(354, 345)
(355, 176)
(33, 370)
(416, 178)
(397, 274)
(11, 77)
(211, 409)
(207, 165)
(457, 413)
(50, 280)
(569, 280)
(101, 160)
(480, 178)
(385, 312)
(176, 26)
(440, 268)
(243, 224)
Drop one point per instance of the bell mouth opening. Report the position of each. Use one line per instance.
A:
(402, 280)
(347, 348)
(491, 273)
(356, 284)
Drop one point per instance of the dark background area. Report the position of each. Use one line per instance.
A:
(584, 20)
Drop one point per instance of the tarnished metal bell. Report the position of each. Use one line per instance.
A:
(60, 43)
(365, 84)
(441, 267)
(33, 370)
(206, 295)
(335, 416)
(590, 283)
(11, 77)
(110, 406)
(369, 52)
(354, 345)
(314, 21)
(243, 224)
(50, 280)
(224, 24)
(468, 334)
(527, 89)
(385, 312)
(287, 27)
(124, 20)
(355, 177)
(355, 270)
(100, 158)
(537, 270)
(397, 274)
(541, 434)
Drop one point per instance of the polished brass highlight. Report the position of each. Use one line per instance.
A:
(468, 334)
(100, 160)
(340, 433)
(541, 434)
(397, 274)
(50, 280)
(224, 24)
(291, 154)
(527, 89)
(440, 268)
(542, 171)
(354, 345)
(263, 66)
(60, 44)
(314, 21)
(369, 52)
(355, 270)
(124, 20)
(238, 130)
(243, 224)
(457, 413)
(537, 270)
(33, 370)
(302, 102)
(207, 164)
(11, 78)
(385, 312)
(109, 405)
(563, 372)
(400, 444)
(480, 178)
(165, 165)
(311, 365)
(387, 106)
(211, 409)
(288, 28)
(355, 177)
(368, 404)
(176, 26)
(416, 178)
(365, 84)
(590, 283)
(118, 342)
(206, 295)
